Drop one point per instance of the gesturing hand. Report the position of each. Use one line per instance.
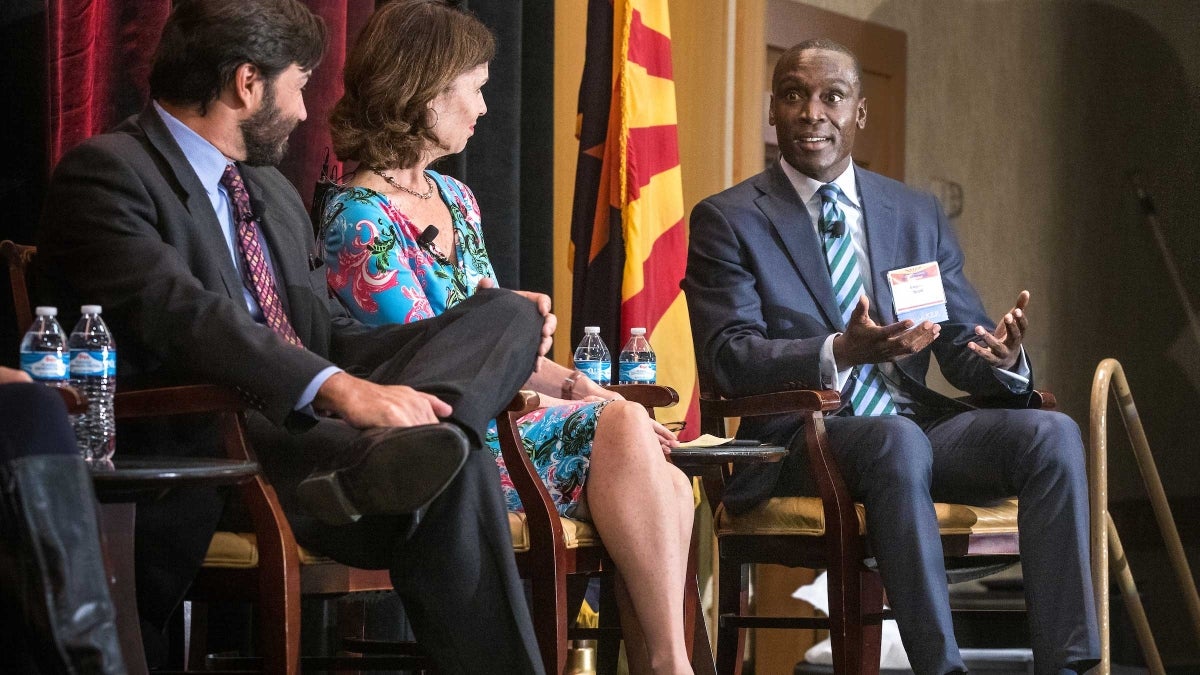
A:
(363, 404)
(543, 304)
(867, 342)
(1002, 346)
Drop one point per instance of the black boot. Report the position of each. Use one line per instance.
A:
(51, 569)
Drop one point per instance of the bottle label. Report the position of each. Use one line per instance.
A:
(593, 369)
(85, 363)
(605, 377)
(44, 365)
(639, 373)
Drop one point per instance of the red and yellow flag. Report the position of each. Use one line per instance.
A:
(629, 231)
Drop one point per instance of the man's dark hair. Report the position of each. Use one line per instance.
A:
(205, 41)
(786, 59)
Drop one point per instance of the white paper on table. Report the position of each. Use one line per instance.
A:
(706, 441)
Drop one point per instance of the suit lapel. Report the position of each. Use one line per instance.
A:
(883, 233)
(789, 216)
(208, 228)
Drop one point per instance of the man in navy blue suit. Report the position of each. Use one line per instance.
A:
(787, 285)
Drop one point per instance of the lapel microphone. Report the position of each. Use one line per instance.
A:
(427, 237)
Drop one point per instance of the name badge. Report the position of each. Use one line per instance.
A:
(917, 293)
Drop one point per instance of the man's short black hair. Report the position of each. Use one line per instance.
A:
(793, 52)
(205, 41)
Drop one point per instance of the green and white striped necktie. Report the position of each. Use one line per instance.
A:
(869, 395)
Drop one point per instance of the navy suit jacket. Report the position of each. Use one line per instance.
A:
(762, 303)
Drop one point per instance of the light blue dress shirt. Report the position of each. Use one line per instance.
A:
(209, 164)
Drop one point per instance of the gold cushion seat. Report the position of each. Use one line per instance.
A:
(239, 550)
(576, 533)
(804, 516)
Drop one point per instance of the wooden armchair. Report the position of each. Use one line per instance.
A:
(265, 566)
(828, 532)
(550, 549)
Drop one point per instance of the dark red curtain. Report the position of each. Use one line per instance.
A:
(98, 65)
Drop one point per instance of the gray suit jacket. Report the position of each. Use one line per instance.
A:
(762, 303)
(127, 225)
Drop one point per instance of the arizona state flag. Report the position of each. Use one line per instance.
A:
(628, 231)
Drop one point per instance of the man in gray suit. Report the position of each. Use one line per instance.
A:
(200, 250)
(787, 285)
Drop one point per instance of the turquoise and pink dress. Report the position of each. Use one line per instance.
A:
(382, 275)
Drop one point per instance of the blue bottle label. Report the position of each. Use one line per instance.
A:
(44, 365)
(589, 368)
(597, 371)
(91, 363)
(639, 373)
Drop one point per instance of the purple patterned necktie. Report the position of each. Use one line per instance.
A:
(255, 269)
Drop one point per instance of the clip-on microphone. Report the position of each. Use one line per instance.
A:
(427, 236)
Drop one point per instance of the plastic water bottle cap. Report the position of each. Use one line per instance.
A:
(46, 311)
(591, 330)
(637, 331)
(89, 309)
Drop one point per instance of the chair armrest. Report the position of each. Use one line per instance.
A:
(1035, 399)
(649, 395)
(74, 399)
(840, 516)
(794, 400)
(541, 514)
(1044, 400)
(180, 400)
(524, 402)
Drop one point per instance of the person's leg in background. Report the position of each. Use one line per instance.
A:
(58, 616)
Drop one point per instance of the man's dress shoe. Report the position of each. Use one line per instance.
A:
(393, 471)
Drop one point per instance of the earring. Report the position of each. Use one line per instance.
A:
(435, 117)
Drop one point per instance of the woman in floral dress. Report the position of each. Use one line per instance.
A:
(412, 95)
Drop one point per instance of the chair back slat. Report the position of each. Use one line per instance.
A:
(19, 258)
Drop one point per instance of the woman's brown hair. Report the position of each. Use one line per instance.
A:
(408, 53)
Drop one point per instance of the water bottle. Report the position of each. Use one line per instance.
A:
(638, 365)
(42, 349)
(592, 357)
(94, 372)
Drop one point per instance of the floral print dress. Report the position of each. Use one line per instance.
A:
(383, 275)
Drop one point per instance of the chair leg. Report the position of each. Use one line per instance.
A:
(854, 592)
(730, 602)
(700, 650)
(871, 604)
(195, 635)
(549, 610)
(608, 650)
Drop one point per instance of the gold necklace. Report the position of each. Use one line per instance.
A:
(419, 195)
